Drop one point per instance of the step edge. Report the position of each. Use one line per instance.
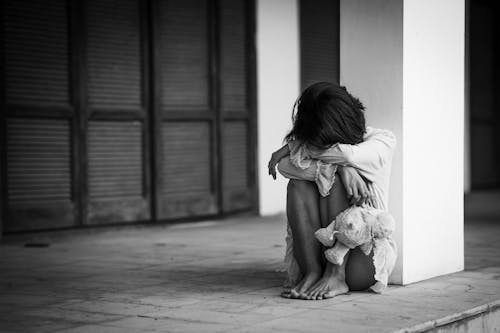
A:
(449, 319)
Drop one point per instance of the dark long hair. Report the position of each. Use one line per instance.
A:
(326, 113)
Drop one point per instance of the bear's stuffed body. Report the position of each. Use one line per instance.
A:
(366, 227)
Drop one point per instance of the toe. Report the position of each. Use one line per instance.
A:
(311, 296)
(303, 296)
(294, 294)
(314, 293)
(320, 294)
(330, 294)
(311, 292)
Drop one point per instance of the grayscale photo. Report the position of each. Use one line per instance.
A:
(281, 166)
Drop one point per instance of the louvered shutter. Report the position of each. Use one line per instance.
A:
(116, 149)
(319, 41)
(186, 149)
(237, 181)
(184, 60)
(38, 115)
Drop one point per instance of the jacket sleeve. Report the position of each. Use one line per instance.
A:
(368, 156)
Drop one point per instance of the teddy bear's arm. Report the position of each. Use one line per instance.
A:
(336, 254)
(326, 236)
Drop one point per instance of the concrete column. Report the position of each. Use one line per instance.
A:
(405, 60)
(278, 86)
(371, 67)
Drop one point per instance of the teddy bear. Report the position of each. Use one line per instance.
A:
(368, 228)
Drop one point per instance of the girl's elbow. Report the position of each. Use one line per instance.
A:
(391, 140)
(285, 167)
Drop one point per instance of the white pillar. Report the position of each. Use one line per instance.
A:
(433, 130)
(405, 61)
(278, 87)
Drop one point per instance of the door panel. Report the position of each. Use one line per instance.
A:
(237, 192)
(117, 162)
(114, 54)
(319, 41)
(484, 100)
(185, 55)
(36, 52)
(39, 117)
(186, 187)
(484, 172)
(233, 56)
(39, 173)
(237, 185)
(185, 143)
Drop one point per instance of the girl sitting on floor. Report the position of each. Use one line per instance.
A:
(329, 138)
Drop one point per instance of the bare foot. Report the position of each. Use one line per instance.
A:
(327, 287)
(299, 291)
(331, 284)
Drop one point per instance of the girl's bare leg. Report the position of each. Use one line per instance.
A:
(357, 271)
(303, 215)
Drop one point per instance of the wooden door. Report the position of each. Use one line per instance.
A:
(186, 117)
(92, 87)
(484, 94)
(204, 165)
(319, 41)
(39, 117)
(116, 109)
(236, 105)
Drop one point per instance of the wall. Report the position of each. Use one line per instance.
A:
(278, 87)
(371, 67)
(433, 129)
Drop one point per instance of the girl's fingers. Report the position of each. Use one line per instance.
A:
(272, 172)
(272, 168)
(355, 196)
(349, 191)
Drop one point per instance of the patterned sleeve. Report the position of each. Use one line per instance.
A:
(323, 174)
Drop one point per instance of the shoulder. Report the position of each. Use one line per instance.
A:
(383, 135)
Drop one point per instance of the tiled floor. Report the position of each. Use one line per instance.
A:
(210, 277)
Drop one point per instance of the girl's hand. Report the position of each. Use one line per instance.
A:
(276, 158)
(272, 165)
(355, 185)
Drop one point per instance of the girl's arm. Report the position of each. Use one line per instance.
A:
(356, 187)
(276, 157)
(368, 156)
(290, 171)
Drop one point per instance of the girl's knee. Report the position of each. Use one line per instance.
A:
(300, 186)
